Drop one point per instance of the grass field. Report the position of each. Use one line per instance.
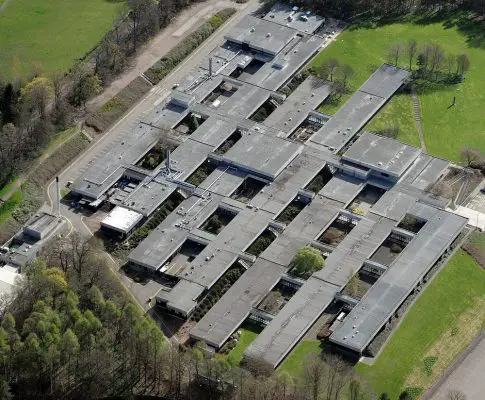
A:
(52, 33)
(444, 319)
(293, 365)
(446, 130)
(249, 332)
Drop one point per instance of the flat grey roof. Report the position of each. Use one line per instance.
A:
(234, 307)
(385, 81)
(262, 154)
(260, 35)
(306, 97)
(183, 296)
(385, 296)
(292, 322)
(381, 154)
(274, 74)
(361, 107)
(342, 188)
(110, 159)
(425, 171)
(348, 120)
(41, 224)
(310, 301)
(302, 230)
(280, 12)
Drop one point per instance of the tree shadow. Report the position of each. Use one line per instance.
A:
(467, 23)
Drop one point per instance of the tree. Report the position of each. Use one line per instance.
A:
(462, 64)
(456, 395)
(347, 73)
(37, 93)
(384, 396)
(411, 51)
(355, 391)
(437, 57)
(85, 84)
(313, 376)
(353, 286)
(469, 156)
(394, 53)
(328, 69)
(307, 260)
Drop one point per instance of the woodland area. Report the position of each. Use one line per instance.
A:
(72, 333)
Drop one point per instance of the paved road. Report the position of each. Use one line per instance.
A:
(466, 376)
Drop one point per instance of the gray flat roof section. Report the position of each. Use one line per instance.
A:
(385, 80)
(262, 154)
(41, 225)
(357, 246)
(348, 120)
(242, 104)
(302, 230)
(361, 107)
(310, 301)
(260, 35)
(291, 323)
(426, 171)
(280, 12)
(386, 295)
(381, 154)
(108, 165)
(294, 177)
(238, 234)
(342, 188)
(183, 296)
(148, 196)
(274, 74)
(234, 307)
(214, 131)
(223, 183)
(306, 97)
(157, 247)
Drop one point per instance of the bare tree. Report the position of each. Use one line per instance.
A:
(469, 156)
(411, 51)
(456, 395)
(437, 56)
(314, 375)
(462, 64)
(329, 68)
(337, 376)
(394, 53)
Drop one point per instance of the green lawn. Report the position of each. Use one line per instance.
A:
(249, 332)
(53, 33)
(446, 130)
(7, 208)
(451, 295)
(293, 365)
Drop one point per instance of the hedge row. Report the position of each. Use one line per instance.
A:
(114, 108)
(176, 55)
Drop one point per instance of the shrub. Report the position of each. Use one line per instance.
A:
(307, 261)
